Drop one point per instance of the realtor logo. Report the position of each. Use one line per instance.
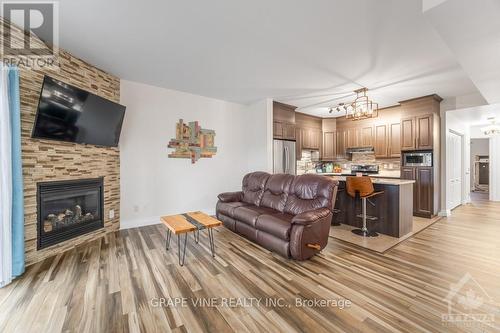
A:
(36, 19)
(465, 300)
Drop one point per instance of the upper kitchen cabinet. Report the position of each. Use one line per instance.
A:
(285, 131)
(298, 143)
(311, 131)
(408, 135)
(417, 132)
(424, 131)
(394, 140)
(353, 137)
(366, 136)
(387, 140)
(381, 140)
(329, 146)
(283, 121)
(420, 123)
(340, 143)
(311, 138)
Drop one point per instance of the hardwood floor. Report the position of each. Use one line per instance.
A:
(113, 284)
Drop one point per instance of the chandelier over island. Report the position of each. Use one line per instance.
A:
(361, 108)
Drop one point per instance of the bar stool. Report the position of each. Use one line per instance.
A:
(363, 187)
(336, 211)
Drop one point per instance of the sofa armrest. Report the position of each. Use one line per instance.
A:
(311, 216)
(230, 196)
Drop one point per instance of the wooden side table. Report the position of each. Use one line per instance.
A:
(186, 223)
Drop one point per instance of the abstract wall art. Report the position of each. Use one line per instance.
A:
(192, 141)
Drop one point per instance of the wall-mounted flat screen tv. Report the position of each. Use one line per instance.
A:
(68, 113)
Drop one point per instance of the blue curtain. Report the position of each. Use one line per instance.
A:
(17, 175)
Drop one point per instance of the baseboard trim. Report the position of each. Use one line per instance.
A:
(445, 212)
(142, 222)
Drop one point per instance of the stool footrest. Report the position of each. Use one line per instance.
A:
(368, 217)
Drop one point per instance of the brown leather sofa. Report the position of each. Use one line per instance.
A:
(286, 214)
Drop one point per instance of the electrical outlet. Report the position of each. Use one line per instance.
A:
(136, 208)
(112, 214)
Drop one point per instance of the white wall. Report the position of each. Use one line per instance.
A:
(258, 123)
(152, 184)
(463, 101)
(477, 133)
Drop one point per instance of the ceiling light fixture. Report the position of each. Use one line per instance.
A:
(491, 130)
(361, 108)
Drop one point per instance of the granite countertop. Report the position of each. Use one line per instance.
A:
(340, 174)
(375, 180)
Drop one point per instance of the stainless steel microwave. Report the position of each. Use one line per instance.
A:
(417, 159)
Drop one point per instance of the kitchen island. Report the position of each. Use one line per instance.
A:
(394, 208)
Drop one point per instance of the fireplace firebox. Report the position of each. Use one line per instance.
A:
(67, 209)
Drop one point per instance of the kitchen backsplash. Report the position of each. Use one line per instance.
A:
(387, 167)
(308, 162)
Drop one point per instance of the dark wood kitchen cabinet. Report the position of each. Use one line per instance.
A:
(408, 173)
(408, 133)
(329, 146)
(282, 130)
(417, 133)
(283, 121)
(424, 194)
(366, 136)
(298, 143)
(380, 141)
(394, 140)
(341, 143)
(424, 132)
(277, 130)
(311, 138)
(353, 136)
(423, 189)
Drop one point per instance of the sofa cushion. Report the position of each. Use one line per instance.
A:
(273, 243)
(276, 191)
(309, 192)
(227, 222)
(249, 214)
(227, 208)
(246, 230)
(278, 225)
(253, 187)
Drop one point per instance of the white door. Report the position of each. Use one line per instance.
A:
(455, 169)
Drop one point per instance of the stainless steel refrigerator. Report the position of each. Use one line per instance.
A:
(284, 157)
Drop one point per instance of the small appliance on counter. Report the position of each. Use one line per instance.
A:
(324, 167)
(337, 168)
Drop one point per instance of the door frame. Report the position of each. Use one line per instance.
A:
(462, 169)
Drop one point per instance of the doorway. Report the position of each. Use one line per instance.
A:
(480, 169)
(455, 167)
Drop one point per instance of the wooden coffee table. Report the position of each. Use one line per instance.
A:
(186, 223)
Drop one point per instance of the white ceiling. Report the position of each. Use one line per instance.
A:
(471, 29)
(295, 51)
(478, 115)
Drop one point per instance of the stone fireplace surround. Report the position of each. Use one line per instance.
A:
(45, 160)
